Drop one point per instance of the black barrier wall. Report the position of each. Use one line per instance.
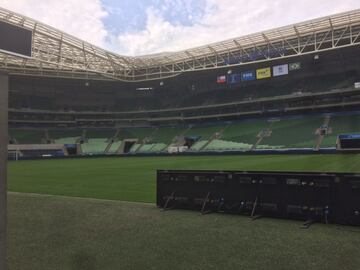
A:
(322, 197)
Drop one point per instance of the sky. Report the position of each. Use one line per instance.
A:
(138, 27)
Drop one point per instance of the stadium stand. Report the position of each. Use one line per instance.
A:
(294, 132)
(301, 131)
(137, 132)
(65, 136)
(197, 146)
(94, 146)
(67, 140)
(152, 148)
(341, 124)
(335, 71)
(64, 133)
(135, 148)
(203, 131)
(244, 132)
(27, 136)
(221, 145)
(114, 147)
(100, 133)
(303, 107)
(166, 134)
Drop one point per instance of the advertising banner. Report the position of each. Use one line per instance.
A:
(280, 70)
(248, 75)
(263, 73)
(234, 78)
(221, 79)
(294, 66)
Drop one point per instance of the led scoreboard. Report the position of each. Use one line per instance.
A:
(15, 40)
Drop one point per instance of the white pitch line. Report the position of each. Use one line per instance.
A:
(29, 194)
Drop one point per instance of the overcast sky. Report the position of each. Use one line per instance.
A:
(136, 27)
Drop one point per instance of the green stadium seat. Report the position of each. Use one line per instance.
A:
(152, 148)
(198, 145)
(27, 136)
(69, 140)
(221, 145)
(341, 125)
(166, 134)
(114, 147)
(294, 133)
(94, 146)
(204, 132)
(135, 133)
(100, 133)
(244, 132)
(135, 147)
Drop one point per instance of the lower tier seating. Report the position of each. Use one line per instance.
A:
(94, 146)
(266, 133)
(114, 147)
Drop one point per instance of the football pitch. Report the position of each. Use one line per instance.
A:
(117, 226)
(133, 178)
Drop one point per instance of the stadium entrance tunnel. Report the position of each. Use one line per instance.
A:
(191, 140)
(72, 149)
(127, 145)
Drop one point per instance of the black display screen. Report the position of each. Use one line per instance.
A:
(15, 39)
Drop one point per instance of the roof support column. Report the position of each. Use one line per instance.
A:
(4, 85)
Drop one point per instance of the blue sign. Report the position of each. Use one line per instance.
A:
(248, 75)
(349, 136)
(234, 78)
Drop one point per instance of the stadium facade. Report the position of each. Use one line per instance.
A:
(290, 87)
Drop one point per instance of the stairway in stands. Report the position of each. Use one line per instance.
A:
(112, 141)
(322, 131)
(217, 135)
(265, 133)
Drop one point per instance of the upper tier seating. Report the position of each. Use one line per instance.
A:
(316, 84)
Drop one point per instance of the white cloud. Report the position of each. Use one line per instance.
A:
(224, 19)
(81, 18)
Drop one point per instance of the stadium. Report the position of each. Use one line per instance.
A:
(88, 129)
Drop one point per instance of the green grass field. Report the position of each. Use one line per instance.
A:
(102, 232)
(133, 179)
(63, 233)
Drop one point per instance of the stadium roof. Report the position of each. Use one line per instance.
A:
(55, 53)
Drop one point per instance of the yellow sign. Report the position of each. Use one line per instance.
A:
(263, 73)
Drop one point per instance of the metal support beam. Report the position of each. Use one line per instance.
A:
(56, 53)
(3, 164)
